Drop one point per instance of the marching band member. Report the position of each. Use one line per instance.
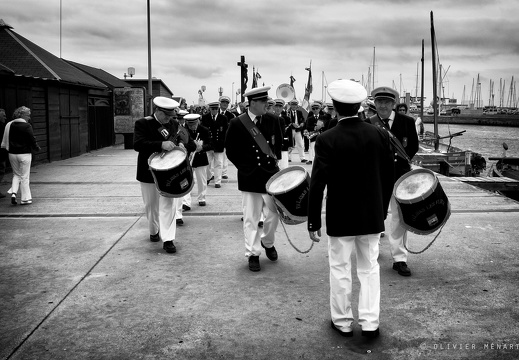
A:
(256, 163)
(155, 134)
(314, 125)
(356, 206)
(203, 143)
(224, 105)
(185, 204)
(403, 128)
(284, 122)
(297, 121)
(217, 125)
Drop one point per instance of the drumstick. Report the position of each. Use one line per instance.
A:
(173, 140)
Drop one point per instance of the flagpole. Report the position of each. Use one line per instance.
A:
(150, 88)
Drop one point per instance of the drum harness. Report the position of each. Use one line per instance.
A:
(290, 241)
(400, 150)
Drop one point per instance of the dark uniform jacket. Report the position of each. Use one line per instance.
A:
(21, 138)
(217, 128)
(229, 115)
(254, 167)
(300, 119)
(286, 130)
(355, 162)
(404, 129)
(202, 133)
(148, 140)
(311, 123)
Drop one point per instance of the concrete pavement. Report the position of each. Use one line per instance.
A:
(79, 279)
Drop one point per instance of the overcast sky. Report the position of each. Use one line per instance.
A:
(199, 42)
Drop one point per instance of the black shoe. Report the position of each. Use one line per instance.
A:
(303, 161)
(208, 181)
(180, 222)
(371, 334)
(169, 247)
(201, 203)
(382, 235)
(289, 160)
(155, 238)
(260, 224)
(402, 268)
(225, 177)
(308, 163)
(343, 333)
(217, 186)
(271, 252)
(254, 264)
(13, 199)
(185, 207)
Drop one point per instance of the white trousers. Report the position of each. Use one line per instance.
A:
(254, 205)
(201, 182)
(397, 233)
(160, 212)
(311, 150)
(283, 162)
(225, 164)
(300, 145)
(368, 272)
(21, 165)
(215, 166)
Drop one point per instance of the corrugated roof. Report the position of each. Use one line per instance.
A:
(101, 75)
(28, 59)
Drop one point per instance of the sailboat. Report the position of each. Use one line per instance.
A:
(436, 155)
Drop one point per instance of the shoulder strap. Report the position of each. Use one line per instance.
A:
(400, 150)
(256, 134)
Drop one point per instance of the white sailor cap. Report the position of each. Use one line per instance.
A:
(214, 104)
(224, 98)
(183, 113)
(384, 92)
(165, 103)
(191, 118)
(316, 105)
(293, 102)
(280, 102)
(329, 106)
(271, 102)
(261, 93)
(347, 91)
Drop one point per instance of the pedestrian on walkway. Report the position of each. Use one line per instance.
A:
(152, 135)
(354, 162)
(19, 141)
(255, 157)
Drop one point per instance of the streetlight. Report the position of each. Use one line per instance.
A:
(220, 90)
(232, 93)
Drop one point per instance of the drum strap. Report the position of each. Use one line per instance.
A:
(257, 136)
(375, 120)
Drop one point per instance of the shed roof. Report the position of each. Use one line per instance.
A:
(24, 58)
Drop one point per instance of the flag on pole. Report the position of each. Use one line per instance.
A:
(292, 80)
(308, 87)
(254, 79)
(258, 76)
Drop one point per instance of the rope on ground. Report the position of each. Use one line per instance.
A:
(295, 248)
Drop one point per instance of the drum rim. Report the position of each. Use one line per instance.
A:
(158, 153)
(424, 195)
(283, 171)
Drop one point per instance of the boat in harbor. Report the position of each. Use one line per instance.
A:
(436, 155)
(506, 167)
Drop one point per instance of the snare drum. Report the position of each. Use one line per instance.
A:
(422, 201)
(172, 172)
(290, 188)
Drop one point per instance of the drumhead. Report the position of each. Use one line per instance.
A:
(286, 180)
(415, 185)
(170, 160)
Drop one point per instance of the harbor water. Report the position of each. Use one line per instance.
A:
(485, 140)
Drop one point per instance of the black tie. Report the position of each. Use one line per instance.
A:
(386, 122)
(214, 117)
(258, 119)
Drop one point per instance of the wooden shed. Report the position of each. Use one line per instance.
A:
(58, 93)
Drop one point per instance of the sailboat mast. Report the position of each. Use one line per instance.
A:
(373, 88)
(421, 90)
(435, 86)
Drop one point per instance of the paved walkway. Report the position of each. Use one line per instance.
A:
(79, 279)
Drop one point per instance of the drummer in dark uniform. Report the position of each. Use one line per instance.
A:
(403, 128)
(256, 161)
(217, 125)
(154, 134)
(202, 138)
(357, 200)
